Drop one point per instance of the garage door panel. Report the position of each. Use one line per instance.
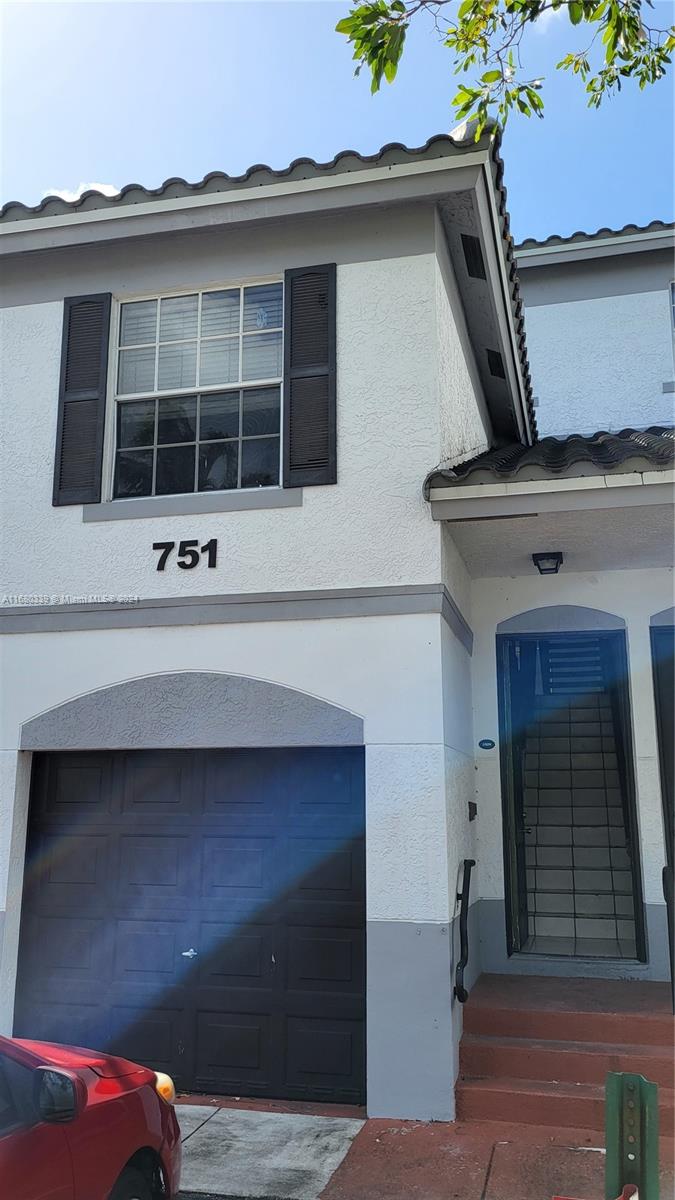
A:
(68, 869)
(155, 1036)
(327, 785)
(150, 952)
(326, 960)
(155, 867)
(236, 955)
(325, 1057)
(239, 868)
(246, 788)
(157, 784)
(61, 948)
(234, 1051)
(74, 788)
(325, 869)
(76, 1022)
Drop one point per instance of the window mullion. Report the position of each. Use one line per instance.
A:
(240, 446)
(154, 448)
(159, 305)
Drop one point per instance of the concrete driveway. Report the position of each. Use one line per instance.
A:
(248, 1155)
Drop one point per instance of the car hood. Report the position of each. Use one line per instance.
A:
(108, 1066)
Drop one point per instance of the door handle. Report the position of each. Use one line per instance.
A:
(191, 953)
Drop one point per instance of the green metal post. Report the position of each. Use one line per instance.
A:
(631, 1135)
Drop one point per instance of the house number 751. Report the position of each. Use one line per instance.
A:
(189, 553)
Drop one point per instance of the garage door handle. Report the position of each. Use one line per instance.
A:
(191, 953)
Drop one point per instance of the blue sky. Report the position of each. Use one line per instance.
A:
(137, 92)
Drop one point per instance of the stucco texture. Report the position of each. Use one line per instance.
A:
(601, 363)
(342, 536)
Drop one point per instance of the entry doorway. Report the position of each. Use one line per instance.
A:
(571, 848)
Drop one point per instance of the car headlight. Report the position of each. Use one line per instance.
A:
(164, 1087)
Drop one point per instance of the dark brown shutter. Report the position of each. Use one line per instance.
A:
(309, 377)
(82, 391)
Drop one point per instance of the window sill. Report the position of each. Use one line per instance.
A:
(187, 505)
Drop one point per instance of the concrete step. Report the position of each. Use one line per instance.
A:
(533, 1102)
(605, 1012)
(569, 1062)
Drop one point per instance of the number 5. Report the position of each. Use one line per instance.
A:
(188, 554)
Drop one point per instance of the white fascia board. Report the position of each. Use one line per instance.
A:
(433, 177)
(528, 487)
(539, 256)
(501, 297)
(492, 501)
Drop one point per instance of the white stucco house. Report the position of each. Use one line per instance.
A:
(276, 658)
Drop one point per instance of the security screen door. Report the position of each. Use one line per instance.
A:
(568, 796)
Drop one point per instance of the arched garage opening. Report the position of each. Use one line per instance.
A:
(194, 892)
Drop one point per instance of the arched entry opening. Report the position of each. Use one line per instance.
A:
(571, 841)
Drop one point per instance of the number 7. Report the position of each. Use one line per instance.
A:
(166, 548)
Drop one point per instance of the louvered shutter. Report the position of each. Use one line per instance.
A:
(81, 419)
(309, 377)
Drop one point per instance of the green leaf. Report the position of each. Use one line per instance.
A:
(491, 76)
(576, 11)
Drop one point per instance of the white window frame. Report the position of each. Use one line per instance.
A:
(113, 397)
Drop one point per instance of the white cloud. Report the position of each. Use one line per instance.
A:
(547, 18)
(108, 189)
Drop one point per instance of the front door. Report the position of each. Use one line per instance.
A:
(201, 912)
(567, 783)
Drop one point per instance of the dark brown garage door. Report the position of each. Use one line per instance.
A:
(201, 912)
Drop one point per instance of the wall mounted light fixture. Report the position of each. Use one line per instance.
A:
(548, 563)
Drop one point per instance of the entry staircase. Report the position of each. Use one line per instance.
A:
(536, 1051)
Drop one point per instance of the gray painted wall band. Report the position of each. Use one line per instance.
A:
(550, 280)
(191, 710)
(494, 959)
(185, 506)
(555, 618)
(263, 606)
(409, 1039)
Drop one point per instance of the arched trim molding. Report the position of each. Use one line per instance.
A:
(561, 618)
(665, 617)
(192, 710)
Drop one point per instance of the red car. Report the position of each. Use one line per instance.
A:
(79, 1125)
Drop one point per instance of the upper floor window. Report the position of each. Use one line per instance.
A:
(198, 392)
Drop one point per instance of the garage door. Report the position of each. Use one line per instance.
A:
(201, 912)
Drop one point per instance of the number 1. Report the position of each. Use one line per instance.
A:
(212, 549)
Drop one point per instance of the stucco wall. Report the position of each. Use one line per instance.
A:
(385, 670)
(388, 435)
(464, 423)
(600, 343)
(632, 595)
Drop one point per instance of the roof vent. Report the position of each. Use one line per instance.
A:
(496, 364)
(473, 256)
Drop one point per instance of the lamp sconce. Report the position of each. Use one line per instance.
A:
(548, 563)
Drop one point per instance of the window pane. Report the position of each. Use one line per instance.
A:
(260, 462)
(133, 473)
(220, 312)
(219, 416)
(218, 466)
(262, 356)
(261, 411)
(136, 371)
(177, 365)
(178, 318)
(136, 423)
(219, 361)
(138, 323)
(177, 420)
(262, 307)
(175, 470)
